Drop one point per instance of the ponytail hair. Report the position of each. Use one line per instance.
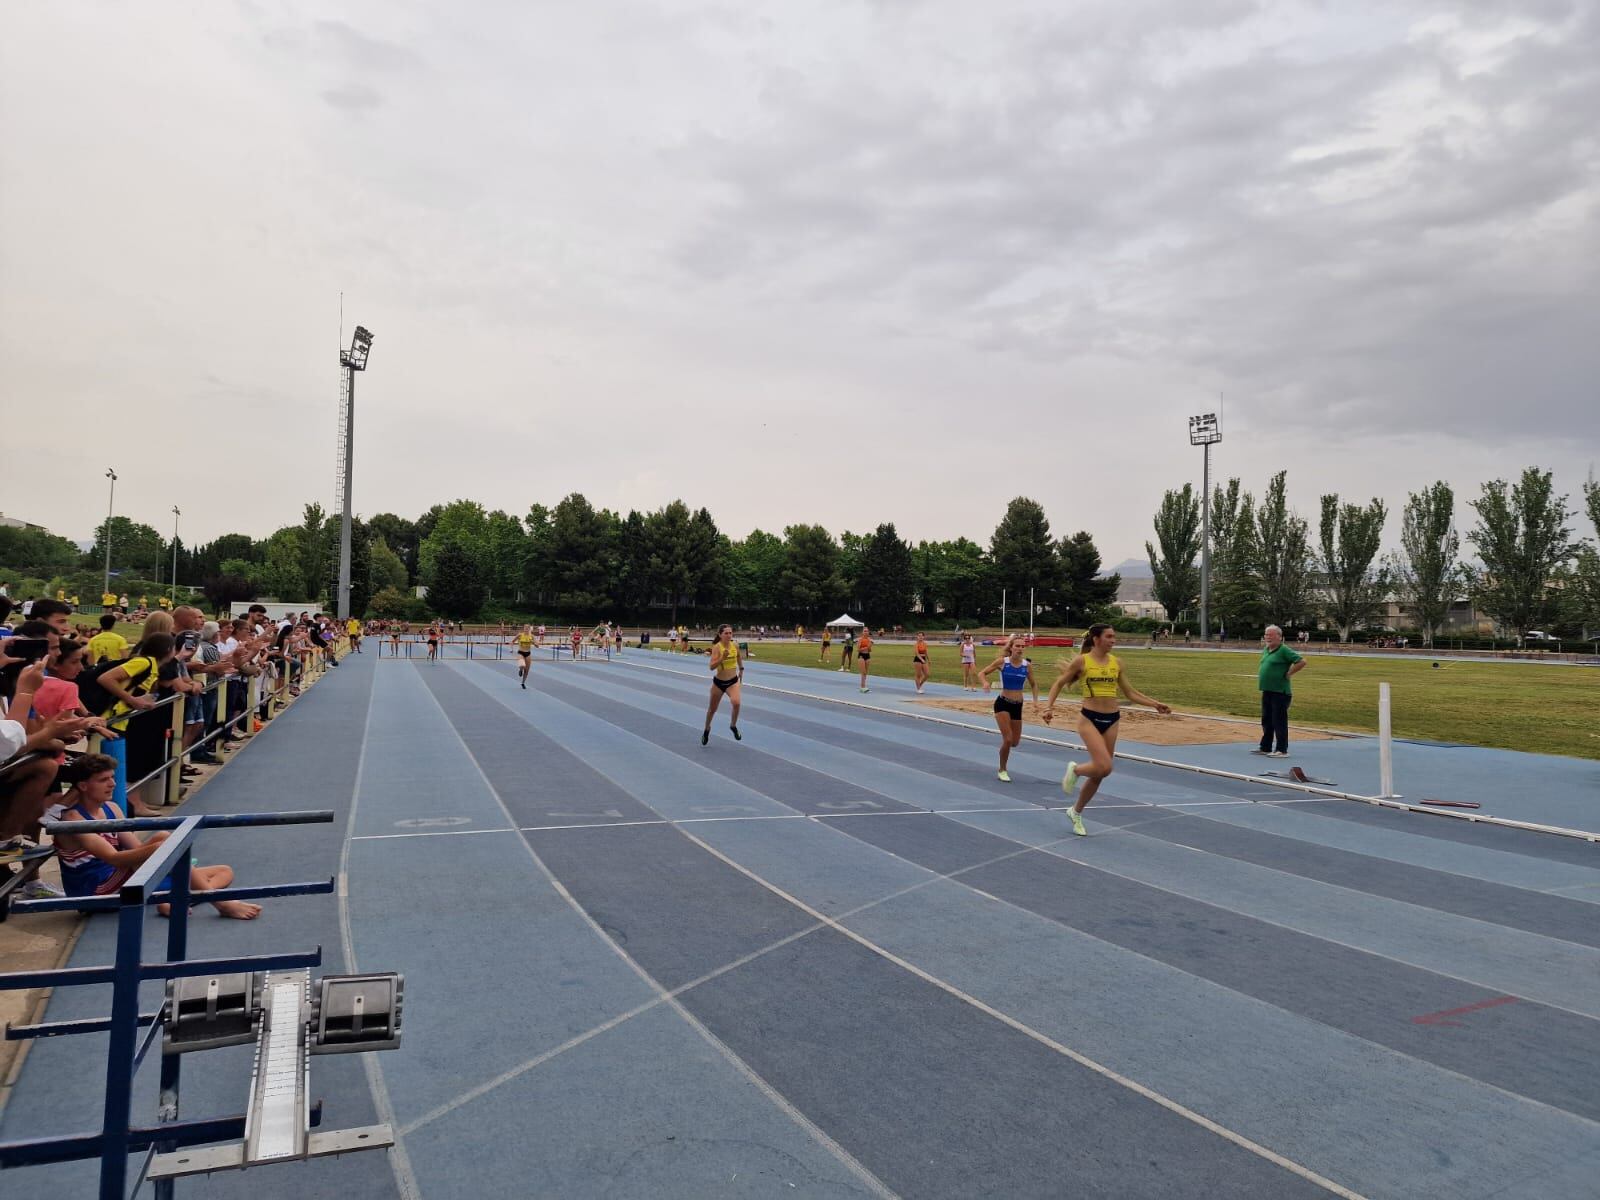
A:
(1093, 636)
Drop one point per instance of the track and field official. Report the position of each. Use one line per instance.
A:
(1278, 665)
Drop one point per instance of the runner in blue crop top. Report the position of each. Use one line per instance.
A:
(1015, 672)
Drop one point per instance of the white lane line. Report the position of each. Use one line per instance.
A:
(1083, 1060)
(775, 1097)
(399, 1161)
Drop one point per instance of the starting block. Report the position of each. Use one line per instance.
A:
(349, 1014)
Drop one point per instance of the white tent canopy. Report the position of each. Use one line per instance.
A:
(846, 622)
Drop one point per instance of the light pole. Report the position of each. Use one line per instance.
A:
(1205, 432)
(173, 592)
(352, 360)
(110, 501)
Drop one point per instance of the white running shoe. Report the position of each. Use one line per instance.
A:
(1069, 781)
(1077, 822)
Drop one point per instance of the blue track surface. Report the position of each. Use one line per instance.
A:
(839, 959)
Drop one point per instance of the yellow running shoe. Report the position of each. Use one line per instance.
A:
(1077, 822)
(1002, 777)
(1069, 781)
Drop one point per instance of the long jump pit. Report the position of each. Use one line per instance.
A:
(1138, 724)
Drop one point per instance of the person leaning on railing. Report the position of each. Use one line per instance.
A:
(133, 684)
(27, 760)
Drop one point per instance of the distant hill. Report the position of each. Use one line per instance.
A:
(1130, 568)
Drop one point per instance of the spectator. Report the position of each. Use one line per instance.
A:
(122, 602)
(25, 787)
(108, 644)
(95, 864)
(200, 711)
(55, 613)
(5, 616)
(152, 666)
(1278, 664)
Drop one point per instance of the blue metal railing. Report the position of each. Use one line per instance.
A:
(119, 1137)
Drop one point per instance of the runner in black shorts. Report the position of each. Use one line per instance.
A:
(725, 672)
(1102, 677)
(1015, 672)
(524, 644)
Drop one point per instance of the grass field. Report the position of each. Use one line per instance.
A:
(1516, 706)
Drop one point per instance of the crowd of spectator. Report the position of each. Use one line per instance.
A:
(63, 682)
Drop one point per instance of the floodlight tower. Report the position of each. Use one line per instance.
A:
(1205, 432)
(350, 361)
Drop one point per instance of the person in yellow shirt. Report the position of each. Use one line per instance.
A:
(61, 594)
(725, 663)
(108, 600)
(353, 628)
(108, 644)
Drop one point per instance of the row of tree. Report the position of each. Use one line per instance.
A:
(574, 558)
(1531, 570)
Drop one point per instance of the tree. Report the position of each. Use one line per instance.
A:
(852, 551)
(960, 579)
(1425, 570)
(710, 548)
(280, 576)
(319, 551)
(222, 590)
(400, 536)
(44, 554)
(886, 583)
(579, 544)
(672, 562)
(385, 568)
(1235, 590)
(536, 570)
(1350, 536)
(1584, 585)
(809, 577)
(1083, 592)
(1523, 541)
(1022, 554)
(135, 547)
(754, 565)
(460, 523)
(361, 588)
(458, 590)
(1177, 578)
(505, 549)
(1282, 556)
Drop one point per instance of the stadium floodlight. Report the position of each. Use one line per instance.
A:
(110, 502)
(1205, 431)
(173, 583)
(350, 361)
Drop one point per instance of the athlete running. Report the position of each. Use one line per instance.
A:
(864, 654)
(524, 644)
(1015, 671)
(919, 662)
(1101, 677)
(969, 663)
(433, 642)
(725, 666)
(577, 641)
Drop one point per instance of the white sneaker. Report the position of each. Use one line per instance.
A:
(38, 889)
(1279, 754)
(1069, 781)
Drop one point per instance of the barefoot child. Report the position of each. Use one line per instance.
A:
(97, 864)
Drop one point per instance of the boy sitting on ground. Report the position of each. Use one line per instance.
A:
(98, 864)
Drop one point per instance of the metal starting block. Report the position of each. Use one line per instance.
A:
(351, 1014)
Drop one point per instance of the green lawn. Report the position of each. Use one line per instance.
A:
(1517, 706)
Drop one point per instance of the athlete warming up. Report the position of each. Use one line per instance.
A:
(864, 654)
(1015, 672)
(1101, 677)
(919, 662)
(724, 656)
(524, 644)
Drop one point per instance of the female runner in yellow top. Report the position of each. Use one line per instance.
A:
(724, 657)
(1101, 677)
(524, 644)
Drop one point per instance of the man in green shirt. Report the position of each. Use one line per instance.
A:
(1278, 664)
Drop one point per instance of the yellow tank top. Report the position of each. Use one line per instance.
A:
(727, 657)
(1099, 682)
(524, 641)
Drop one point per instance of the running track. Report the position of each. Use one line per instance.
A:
(839, 959)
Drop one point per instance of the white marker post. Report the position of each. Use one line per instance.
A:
(1385, 747)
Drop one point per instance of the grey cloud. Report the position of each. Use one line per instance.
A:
(1142, 214)
(353, 97)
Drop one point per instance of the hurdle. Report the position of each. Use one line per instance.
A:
(267, 999)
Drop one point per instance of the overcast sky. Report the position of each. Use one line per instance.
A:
(833, 262)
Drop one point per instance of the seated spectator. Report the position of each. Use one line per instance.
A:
(97, 864)
(108, 643)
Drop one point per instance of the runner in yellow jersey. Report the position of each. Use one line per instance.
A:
(524, 644)
(1102, 677)
(724, 657)
(353, 628)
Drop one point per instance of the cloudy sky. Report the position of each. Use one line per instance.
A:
(823, 261)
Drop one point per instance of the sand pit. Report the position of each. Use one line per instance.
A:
(1138, 725)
